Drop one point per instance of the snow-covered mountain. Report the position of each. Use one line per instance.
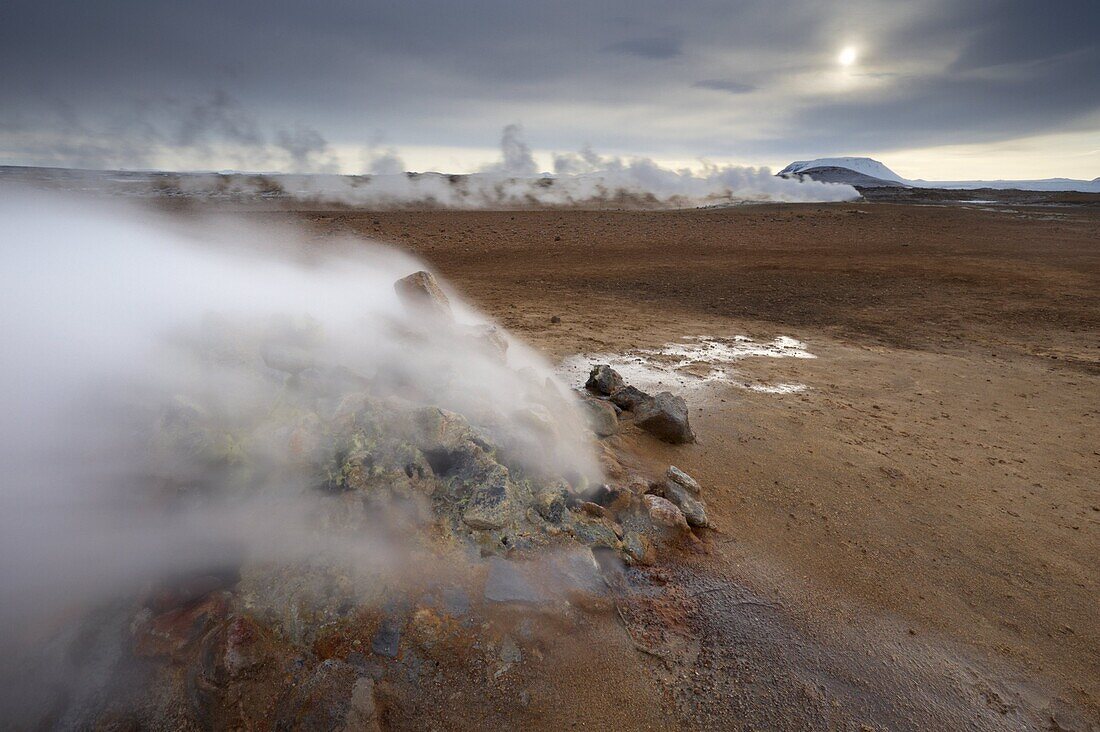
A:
(831, 170)
(864, 166)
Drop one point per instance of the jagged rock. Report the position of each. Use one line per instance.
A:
(628, 397)
(550, 503)
(681, 478)
(604, 380)
(695, 511)
(492, 504)
(595, 509)
(601, 417)
(421, 294)
(636, 547)
(665, 513)
(595, 531)
(665, 416)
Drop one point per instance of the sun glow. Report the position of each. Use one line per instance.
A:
(847, 56)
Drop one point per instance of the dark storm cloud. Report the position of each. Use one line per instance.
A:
(1020, 68)
(1021, 31)
(930, 111)
(638, 74)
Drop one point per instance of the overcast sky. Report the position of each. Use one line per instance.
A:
(935, 89)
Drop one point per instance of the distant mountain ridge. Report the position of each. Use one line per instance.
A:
(870, 173)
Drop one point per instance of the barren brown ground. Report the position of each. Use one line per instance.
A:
(938, 485)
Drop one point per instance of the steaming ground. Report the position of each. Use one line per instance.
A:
(907, 543)
(207, 404)
(579, 179)
(928, 505)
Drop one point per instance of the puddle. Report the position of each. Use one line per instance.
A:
(691, 363)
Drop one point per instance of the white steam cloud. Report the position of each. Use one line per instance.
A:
(117, 324)
(584, 178)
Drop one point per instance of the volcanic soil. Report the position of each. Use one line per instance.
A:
(912, 541)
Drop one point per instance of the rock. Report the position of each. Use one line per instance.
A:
(681, 478)
(577, 571)
(421, 294)
(664, 513)
(491, 339)
(551, 504)
(604, 380)
(601, 417)
(694, 511)
(388, 637)
(665, 416)
(538, 419)
(555, 319)
(683, 490)
(636, 547)
(595, 531)
(628, 398)
(491, 505)
(507, 583)
(174, 630)
(614, 498)
(596, 510)
(246, 645)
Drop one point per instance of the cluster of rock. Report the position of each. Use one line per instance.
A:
(663, 415)
(293, 643)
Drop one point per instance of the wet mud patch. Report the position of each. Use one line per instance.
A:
(692, 363)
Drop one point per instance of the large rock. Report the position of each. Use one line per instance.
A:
(601, 417)
(694, 510)
(628, 397)
(604, 380)
(665, 416)
(683, 490)
(421, 294)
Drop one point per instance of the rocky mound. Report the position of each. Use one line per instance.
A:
(400, 525)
